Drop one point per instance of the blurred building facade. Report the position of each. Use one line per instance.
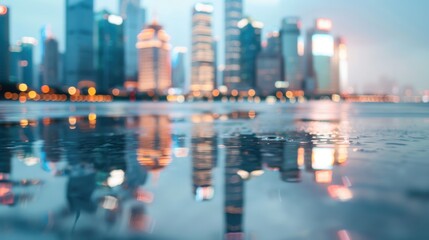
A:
(4, 44)
(51, 61)
(233, 14)
(340, 67)
(154, 60)
(28, 45)
(250, 46)
(134, 21)
(290, 33)
(110, 51)
(79, 60)
(203, 66)
(269, 66)
(179, 69)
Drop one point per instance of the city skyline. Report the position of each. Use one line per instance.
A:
(372, 52)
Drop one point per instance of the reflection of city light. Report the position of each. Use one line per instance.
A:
(341, 155)
(23, 123)
(181, 152)
(300, 159)
(323, 176)
(110, 203)
(204, 193)
(323, 158)
(252, 114)
(343, 235)
(144, 196)
(72, 121)
(116, 178)
(245, 175)
(92, 117)
(340, 193)
(31, 161)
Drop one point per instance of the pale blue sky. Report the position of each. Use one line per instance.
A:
(386, 38)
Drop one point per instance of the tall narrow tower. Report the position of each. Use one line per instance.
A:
(79, 41)
(233, 14)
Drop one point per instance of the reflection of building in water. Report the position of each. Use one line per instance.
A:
(251, 157)
(51, 132)
(6, 194)
(154, 147)
(204, 155)
(179, 145)
(234, 191)
(290, 171)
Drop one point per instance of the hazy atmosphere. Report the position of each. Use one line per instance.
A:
(387, 39)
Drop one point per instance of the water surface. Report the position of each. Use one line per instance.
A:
(318, 170)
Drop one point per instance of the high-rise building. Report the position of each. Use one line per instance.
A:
(134, 20)
(269, 65)
(110, 49)
(79, 60)
(202, 79)
(27, 61)
(319, 53)
(290, 34)
(250, 46)
(154, 60)
(179, 69)
(233, 14)
(4, 44)
(51, 63)
(15, 64)
(340, 67)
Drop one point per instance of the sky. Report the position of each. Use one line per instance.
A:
(388, 40)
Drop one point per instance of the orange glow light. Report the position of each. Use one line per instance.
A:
(340, 193)
(45, 89)
(22, 87)
(3, 10)
(92, 117)
(116, 92)
(252, 92)
(92, 91)
(234, 93)
(72, 91)
(32, 94)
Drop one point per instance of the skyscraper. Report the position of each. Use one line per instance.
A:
(79, 41)
(203, 68)
(51, 63)
(27, 61)
(319, 53)
(290, 33)
(134, 20)
(233, 14)
(179, 69)
(250, 46)
(269, 66)
(154, 60)
(110, 49)
(4, 44)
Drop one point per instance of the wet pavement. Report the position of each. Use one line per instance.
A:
(317, 170)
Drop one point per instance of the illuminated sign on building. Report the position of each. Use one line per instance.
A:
(324, 24)
(323, 45)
